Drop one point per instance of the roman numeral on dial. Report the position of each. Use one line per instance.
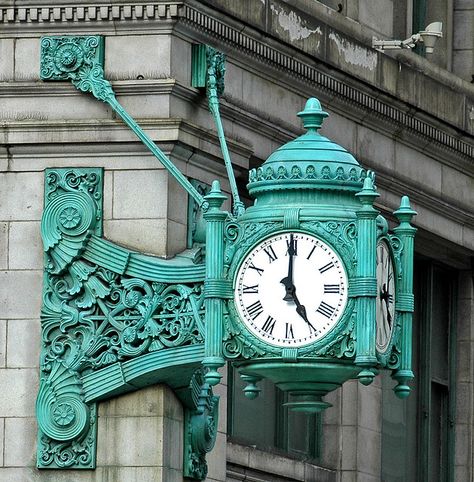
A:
(270, 252)
(325, 309)
(292, 246)
(289, 331)
(326, 267)
(332, 288)
(250, 289)
(269, 325)
(258, 270)
(254, 309)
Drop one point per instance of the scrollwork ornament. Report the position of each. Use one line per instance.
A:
(344, 345)
(79, 59)
(93, 317)
(201, 427)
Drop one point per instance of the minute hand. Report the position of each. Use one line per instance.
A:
(287, 281)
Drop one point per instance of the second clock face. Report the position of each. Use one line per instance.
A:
(385, 311)
(291, 290)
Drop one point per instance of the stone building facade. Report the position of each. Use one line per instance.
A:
(408, 117)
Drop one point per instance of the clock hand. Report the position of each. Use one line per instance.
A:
(385, 296)
(301, 310)
(287, 281)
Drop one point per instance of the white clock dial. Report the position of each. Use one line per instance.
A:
(385, 305)
(291, 290)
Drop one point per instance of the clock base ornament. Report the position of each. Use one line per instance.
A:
(305, 382)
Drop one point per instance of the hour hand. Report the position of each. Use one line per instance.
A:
(301, 310)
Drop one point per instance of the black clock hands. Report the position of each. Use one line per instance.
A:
(386, 297)
(287, 281)
(301, 310)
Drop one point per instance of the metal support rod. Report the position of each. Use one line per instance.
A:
(215, 69)
(237, 205)
(155, 150)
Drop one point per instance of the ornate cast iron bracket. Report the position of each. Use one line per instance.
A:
(112, 321)
(200, 429)
(208, 70)
(80, 60)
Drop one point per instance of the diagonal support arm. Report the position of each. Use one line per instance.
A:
(80, 60)
(214, 88)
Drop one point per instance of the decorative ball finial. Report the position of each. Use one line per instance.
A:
(312, 115)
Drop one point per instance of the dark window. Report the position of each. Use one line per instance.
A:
(268, 425)
(423, 424)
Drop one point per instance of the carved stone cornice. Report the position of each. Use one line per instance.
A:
(374, 107)
(51, 12)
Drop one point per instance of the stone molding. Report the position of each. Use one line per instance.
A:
(275, 53)
(89, 12)
(326, 83)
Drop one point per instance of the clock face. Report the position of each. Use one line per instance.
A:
(385, 310)
(291, 290)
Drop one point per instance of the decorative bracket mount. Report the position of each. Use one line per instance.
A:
(81, 60)
(208, 70)
(200, 427)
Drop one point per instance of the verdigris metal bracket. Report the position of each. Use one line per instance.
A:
(208, 70)
(80, 60)
(200, 427)
(112, 321)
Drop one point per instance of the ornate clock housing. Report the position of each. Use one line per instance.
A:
(291, 290)
(385, 310)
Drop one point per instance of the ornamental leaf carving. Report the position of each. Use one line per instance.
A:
(344, 345)
(93, 316)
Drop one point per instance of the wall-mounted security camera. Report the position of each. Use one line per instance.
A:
(429, 36)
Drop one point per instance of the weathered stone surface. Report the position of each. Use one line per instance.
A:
(130, 441)
(3, 343)
(154, 401)
(370, 407)
(349, 448)
(26, 283)
(216, 460)
(25, 354)
(3, 245)
(291, 26)
(176, 238)
(145, 235)
(369, 445)
(21, 196)
(20, 442)
(6, 59)
(351, 56)
(19, 387)
(378, 16)
(2, 433)
(463, 33)
(25, 245)
(128, 57)
(350, 402)
(140, 194)
(27, 59)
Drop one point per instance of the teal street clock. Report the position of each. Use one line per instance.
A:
(320, 290)
(306, 287)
